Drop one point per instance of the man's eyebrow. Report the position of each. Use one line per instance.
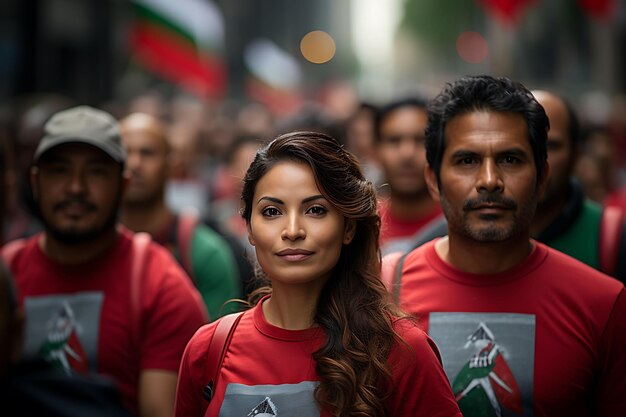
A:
(520, 153)
(279, 201)
(463, 154)
(460, 154)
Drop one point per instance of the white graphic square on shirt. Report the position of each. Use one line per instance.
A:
(489, 359)
(283, 400)
(64, 329)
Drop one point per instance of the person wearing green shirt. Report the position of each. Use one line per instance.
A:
(202, 252)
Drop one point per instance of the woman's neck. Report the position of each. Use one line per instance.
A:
(291, 307)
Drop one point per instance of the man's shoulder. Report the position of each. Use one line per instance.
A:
(419, 254)
(559, 266)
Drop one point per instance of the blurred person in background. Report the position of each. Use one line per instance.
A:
(566, 219)
(203, 253)
(597, 165)
(408, 207)
(98, 298)
(360, 141)
(185, 186)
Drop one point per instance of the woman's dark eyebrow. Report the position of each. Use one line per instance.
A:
(279, 201)
(272, 199)
(313, 197)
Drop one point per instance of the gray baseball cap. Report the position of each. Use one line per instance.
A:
(83, 124)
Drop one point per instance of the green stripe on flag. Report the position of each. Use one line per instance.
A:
(155, 19)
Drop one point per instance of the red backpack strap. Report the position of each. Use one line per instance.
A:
(217, 350)
(10, 250)
(392, 265)
(141, 242)
(187, 221)
(610, 234)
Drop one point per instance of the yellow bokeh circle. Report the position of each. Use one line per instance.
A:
(317, 47)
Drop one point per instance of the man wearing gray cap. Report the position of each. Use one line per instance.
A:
(98, 298)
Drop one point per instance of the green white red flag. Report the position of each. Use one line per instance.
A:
(181, 41)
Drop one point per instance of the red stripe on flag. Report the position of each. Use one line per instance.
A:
(178, 61)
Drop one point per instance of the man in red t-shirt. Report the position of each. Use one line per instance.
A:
(96, 298)
(522, 328)
(399, 132)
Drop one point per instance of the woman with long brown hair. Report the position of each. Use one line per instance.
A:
(323, 338)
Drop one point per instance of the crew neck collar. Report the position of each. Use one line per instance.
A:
(536, 257)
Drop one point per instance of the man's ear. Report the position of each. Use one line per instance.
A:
(34, 175)
(431, 182)
(349, 231)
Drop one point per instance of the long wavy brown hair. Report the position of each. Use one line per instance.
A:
(354, 308)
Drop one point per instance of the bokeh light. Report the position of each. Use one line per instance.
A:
(472, 47)
(317, 47)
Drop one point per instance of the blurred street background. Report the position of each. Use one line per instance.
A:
(109, 50)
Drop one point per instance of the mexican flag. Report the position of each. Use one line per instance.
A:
(181, 41)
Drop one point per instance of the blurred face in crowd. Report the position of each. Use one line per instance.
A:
(489, 188)
(78, 189)
(147, 161)
(401, 150)
(297, 234)
(561, 153)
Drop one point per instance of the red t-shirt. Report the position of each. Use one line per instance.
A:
(547, 337)
(80, 316)
(270, 369)
(394, 228)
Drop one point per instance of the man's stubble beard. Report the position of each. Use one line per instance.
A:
(73, 237)
(459, 223)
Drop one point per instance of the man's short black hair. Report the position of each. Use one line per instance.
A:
(384, 111)
(484, 92)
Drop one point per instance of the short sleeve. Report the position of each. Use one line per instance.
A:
(420, 386)
(189, 389)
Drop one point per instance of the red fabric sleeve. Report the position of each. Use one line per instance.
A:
(173, 311)
(191, 379)
(611, 389)
(420, 385)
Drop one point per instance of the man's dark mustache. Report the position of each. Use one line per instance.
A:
(65, 203)
(497, 200)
